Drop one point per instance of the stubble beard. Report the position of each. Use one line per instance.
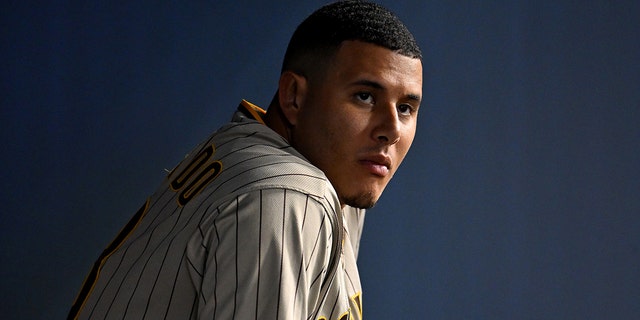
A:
(362, 201)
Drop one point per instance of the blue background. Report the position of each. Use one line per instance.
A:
(520, 198)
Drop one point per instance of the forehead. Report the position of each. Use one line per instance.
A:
(357, 59)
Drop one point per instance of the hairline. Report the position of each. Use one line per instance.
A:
(316, 63)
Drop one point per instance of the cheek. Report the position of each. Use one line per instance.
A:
(319, 140)
(336, 135)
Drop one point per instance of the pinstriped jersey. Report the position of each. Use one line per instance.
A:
(243, 228)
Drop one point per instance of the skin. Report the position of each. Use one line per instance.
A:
(356, 120)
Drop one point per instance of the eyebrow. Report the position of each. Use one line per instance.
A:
(376, 85)
(369, 83)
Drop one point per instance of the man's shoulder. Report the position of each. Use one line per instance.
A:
(265, 166)
(255, 157)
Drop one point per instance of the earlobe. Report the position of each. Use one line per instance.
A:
(292, 89)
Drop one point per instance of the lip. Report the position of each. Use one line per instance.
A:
(378, 164)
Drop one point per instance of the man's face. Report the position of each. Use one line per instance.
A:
(357, 123)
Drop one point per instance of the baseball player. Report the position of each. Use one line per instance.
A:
(263, 219)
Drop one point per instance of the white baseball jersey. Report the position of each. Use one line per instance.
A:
(243, 228)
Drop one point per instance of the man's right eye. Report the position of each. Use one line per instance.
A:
(365, 97)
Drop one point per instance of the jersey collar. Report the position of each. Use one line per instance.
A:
(252, 111)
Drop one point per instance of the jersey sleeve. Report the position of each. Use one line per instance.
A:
(267, 254)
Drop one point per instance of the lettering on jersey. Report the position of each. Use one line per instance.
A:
(345, 316)
(357, 301)
(196, 175)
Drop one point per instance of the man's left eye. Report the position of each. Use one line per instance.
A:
(405, 109)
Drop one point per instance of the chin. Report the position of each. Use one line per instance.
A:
(362, 201)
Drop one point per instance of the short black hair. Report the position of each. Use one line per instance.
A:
(318, 37)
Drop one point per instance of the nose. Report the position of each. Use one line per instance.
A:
(387, 128)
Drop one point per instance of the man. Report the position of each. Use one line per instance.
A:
(263, 219)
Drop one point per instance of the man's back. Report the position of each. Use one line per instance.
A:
(242, 227)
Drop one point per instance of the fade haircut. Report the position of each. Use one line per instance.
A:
(317, 38)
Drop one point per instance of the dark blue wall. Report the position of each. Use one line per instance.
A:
(519, 200)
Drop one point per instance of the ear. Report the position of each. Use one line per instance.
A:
(292, 90)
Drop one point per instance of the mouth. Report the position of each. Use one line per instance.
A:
(378, 164)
